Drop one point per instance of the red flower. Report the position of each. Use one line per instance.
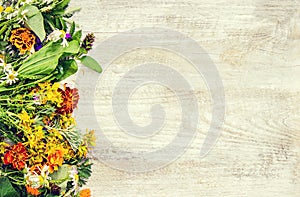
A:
(17, 156)
(70, 100)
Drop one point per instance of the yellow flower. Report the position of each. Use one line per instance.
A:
(3, 146)
(26, 121)
(56, 134)
(35, 137)
(1, 9)
(66, 121)
(82, 151)
(9, 9)
(24, 116)
(55, 159)
(90, 138)
(49, 93)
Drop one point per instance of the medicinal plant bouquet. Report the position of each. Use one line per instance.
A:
(42, 152)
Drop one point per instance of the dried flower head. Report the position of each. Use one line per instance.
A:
(88, 41)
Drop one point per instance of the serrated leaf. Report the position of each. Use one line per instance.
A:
(74, 138)
(35, 21)
(91, 63)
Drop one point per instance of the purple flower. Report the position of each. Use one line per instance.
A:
(38, 44)
(36, 99)
(68, 36)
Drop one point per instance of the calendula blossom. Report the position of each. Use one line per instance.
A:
(23, 39)
(17, 156)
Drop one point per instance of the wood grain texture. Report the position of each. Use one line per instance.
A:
(255, 45)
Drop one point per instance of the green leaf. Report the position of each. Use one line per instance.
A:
(77, 36)
(91, 63)
(35, 21)
(62, 5)
(73, 137)
(3, 45)
(57, 23)
(63, 24)
(67, 69)
(45, 60)
(6, 189)
(61, 176)
(69, 12)
(72, 29)
(84, 172)
(2, 30)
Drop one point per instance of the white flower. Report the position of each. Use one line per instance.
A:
(56, 35)
(6, 67)
(65, 43)
(26, 2)
(32, 178)
(74, 176)
(36, 180)
(48, 1)
(23, 16)
(11, 77)
(12, 14)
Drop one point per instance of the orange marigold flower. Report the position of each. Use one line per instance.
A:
(32, 191)
(55, 159)
(23, 39)
(85, 193)
(70, 100)
(17, 156)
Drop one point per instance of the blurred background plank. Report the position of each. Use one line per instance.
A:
(255, 45)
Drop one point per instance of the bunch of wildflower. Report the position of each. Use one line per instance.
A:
(42, 152)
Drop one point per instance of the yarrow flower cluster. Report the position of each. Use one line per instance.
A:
(42, 152)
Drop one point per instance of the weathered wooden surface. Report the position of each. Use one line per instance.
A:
(255, 45)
